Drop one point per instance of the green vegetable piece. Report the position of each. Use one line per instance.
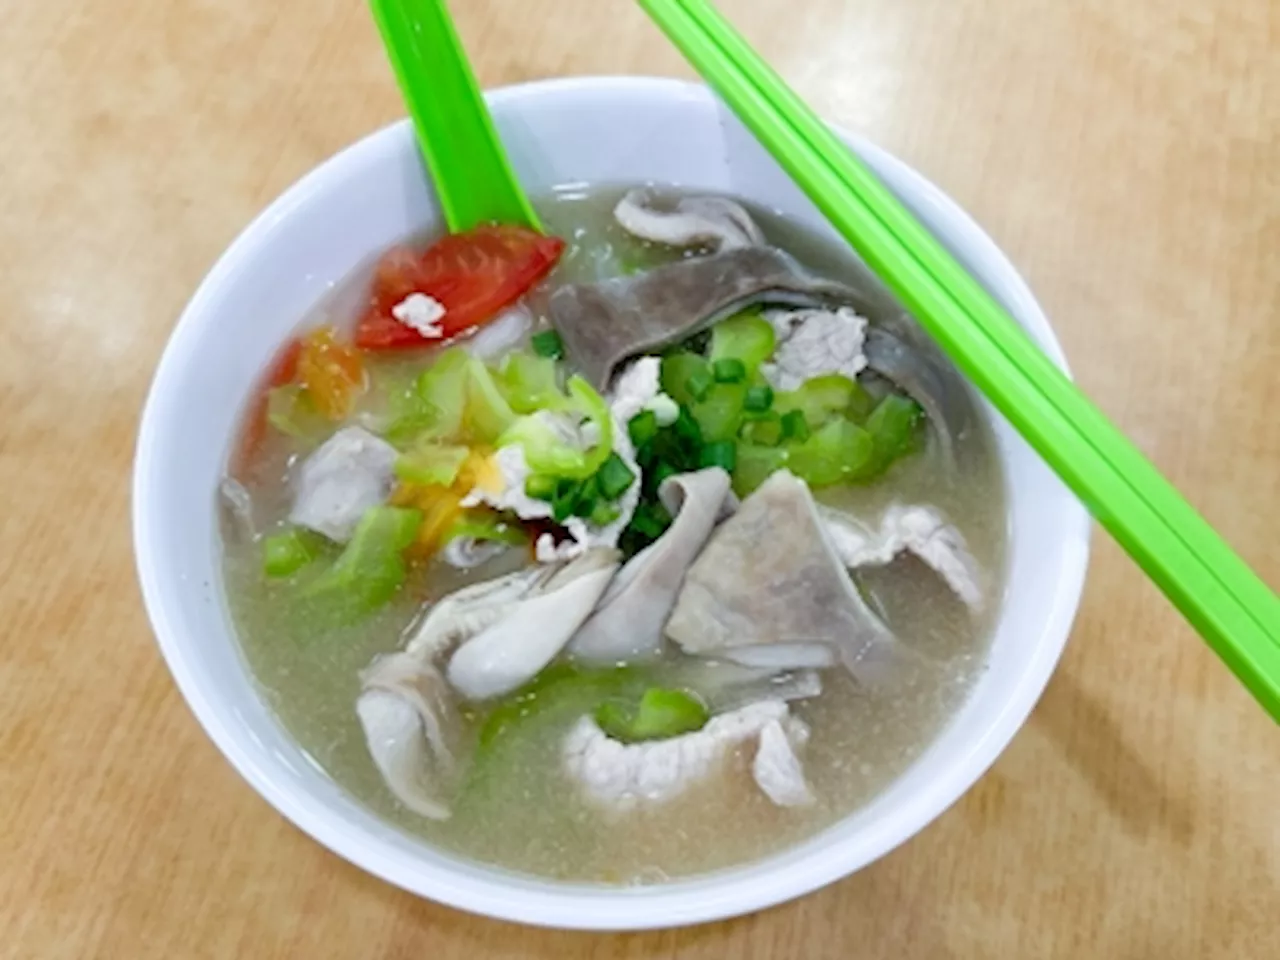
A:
(746, 337)
(541, 487)
(728, 370)
(431, 463)
(651, 519)
(661, 472)
(660, 715)
(765, 429)
(755, 464)
(560, 692)
(838, 452)
(529, 383)
(677, 369)
(860, 404)
(370, 568)
(794, 426)
(565, 499)
(546, 452)
(687, 431)
(289, 410)
(720, 414)
(614, 477)
(587, 497)
(721, 453)
(642, 428)
(894, 426)
(284, 554)
(604, 514)
(700, 383)
(758, 399)
(481, 523)
(442, 396)
(819, 398)
(547, 344)
(488, 415)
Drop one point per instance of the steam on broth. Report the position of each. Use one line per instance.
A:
(618, 562)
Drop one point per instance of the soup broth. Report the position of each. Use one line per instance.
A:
(517, 807)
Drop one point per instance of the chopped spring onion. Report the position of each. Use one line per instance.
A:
(614, 477)
(547, 344)
(541, 487)
(677, 368)
(721, 453)
(643, 427)
(604, 514)
(728, 370)
(794, 425)
(758, 399)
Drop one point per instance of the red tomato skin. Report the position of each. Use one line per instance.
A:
(474, 276)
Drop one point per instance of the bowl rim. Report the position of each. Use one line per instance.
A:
(738, 890)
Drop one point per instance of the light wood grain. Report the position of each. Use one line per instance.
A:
(1126, 155)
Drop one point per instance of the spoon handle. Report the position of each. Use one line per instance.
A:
(456, 133)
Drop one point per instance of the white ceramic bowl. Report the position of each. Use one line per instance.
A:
(374, 194)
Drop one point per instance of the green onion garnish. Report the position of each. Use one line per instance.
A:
(547, 344)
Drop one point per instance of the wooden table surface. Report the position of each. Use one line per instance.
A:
(1126, 155)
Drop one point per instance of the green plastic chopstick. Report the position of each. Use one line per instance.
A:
(1226, 602)
(456, 134)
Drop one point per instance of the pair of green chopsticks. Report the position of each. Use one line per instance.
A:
(1214, 589)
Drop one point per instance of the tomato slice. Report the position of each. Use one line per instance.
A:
(473, 275)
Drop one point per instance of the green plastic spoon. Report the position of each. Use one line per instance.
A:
(1214, 589)
(456, 133)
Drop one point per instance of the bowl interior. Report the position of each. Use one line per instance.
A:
(375, 194)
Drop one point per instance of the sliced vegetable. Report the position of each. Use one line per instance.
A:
(371, 567)
(660, 715)
(894, 426)
(435, 407)
(720, 413)
(687, 431)
(651, 519)
(604, 514)
(614, 477)
(541, 487)
(758, 399)
(547, 452)
(547, 344)
(474, 275)
(561, 690)
(754, 464)
(839, 451)
(721, 453)
(284, 554)
(643, 427)
(728, 370)
(819, 398)
(699, 384)
(746, 337)
(482, 523)
(794, 426)
(529, 383)
(677, 368)
(431, 463)
(332, 373)
(765, 429)
(487, 414)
